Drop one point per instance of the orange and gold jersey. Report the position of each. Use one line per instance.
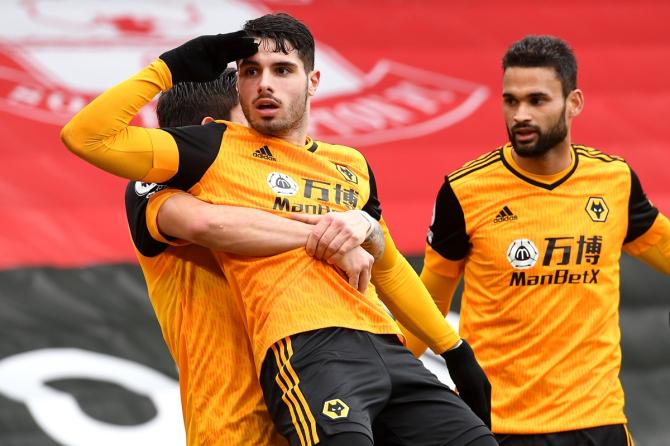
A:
(225, 163)
(541, 296)
(204, 330)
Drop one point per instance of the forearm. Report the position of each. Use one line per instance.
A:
(409, 301)
(231, 229)
(442, 290)
(100, 133)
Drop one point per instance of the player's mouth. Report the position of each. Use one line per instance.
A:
(525, 134)
(267, 106)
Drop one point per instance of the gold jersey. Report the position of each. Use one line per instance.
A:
(541, 269)
(204, 330)
(289, 293)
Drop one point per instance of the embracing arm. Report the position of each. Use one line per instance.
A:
(231, 229)
(336, 233)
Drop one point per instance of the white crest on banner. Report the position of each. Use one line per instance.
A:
(58, 55)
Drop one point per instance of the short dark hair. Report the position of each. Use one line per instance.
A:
(544, 51)
(187, 103)
(281, 28)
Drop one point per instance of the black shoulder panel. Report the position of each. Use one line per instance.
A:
(447, 233)
(641, 213)
(137, 198)
(198, 146)
(373, 206)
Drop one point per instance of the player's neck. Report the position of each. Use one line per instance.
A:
(297, 137)
(298, 134)
(558, 158)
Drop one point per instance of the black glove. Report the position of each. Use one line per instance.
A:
(204, 58)
(471, 382)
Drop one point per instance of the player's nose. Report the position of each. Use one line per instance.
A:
(265, 82)
(522, 113)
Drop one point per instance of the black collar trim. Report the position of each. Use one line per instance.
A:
(550, 186)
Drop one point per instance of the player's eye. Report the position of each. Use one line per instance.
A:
(250, 71)
(282, 71)
(509, 101)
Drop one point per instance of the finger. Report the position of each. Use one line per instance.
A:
(330, 230)
(328, 236)
(306, 218)
(335, 246)
(314, 237)
(364, 280)
(348, 245)
(353, 280)
(334, 259)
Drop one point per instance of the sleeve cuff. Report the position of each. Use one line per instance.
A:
(154, 205)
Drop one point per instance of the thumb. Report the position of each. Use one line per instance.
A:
(306, 218)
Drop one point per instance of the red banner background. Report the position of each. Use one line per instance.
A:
(57, 210)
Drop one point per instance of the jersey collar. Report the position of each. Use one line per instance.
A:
(548, 182)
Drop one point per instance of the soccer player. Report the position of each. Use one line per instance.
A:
(537, 228)
(202, 326)
(330, 362)
(222, 402)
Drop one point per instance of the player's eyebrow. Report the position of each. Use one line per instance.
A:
(531, 95)
(285, 64)
(246, 62)
(282, 63)
(538, 95)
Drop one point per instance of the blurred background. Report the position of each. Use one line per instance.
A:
(414, 84)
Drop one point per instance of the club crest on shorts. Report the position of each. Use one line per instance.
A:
(597, 209)
(282, 184)
(335, 409)
(522, 253)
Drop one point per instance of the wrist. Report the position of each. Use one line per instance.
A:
(371, 222)
(459, 353)
(456, 345)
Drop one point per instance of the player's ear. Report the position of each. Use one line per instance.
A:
(575, 103)
(313, 78)
(206, 120)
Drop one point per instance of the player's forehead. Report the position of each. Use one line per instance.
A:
(270, 53)
(524, 81)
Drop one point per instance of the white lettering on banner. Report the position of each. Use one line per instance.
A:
(23, 377)
(398, 102)
(61, 54)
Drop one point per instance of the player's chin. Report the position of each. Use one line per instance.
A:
(524, 149)
(267, 125)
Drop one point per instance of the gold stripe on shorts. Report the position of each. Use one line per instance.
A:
(288, 382)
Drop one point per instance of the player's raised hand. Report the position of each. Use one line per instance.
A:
(334, 233)
(204, 58)
(357, 265)
(471, 382)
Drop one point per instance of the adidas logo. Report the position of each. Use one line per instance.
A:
(264, 153)
(505, 215)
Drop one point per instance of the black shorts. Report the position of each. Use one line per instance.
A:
(336, 380)
(614, 435)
